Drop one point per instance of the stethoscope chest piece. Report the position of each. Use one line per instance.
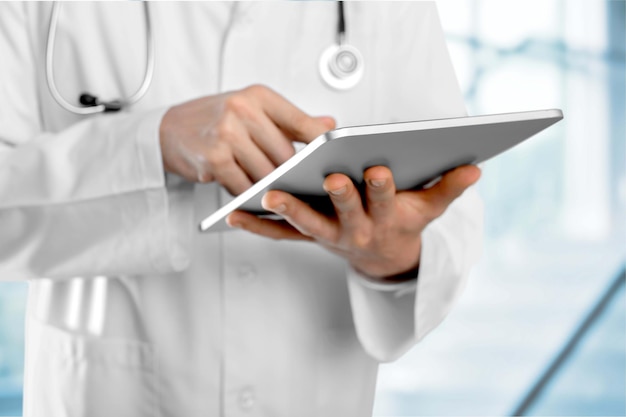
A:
(341, 66)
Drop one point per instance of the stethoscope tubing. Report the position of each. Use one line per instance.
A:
(102, 107)
(329, 70)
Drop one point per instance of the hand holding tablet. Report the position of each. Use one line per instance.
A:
(415, 152)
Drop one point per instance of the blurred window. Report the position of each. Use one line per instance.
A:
(555, 234)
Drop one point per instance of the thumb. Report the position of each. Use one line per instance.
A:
(451, 186)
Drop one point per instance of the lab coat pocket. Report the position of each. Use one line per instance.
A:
(78, 375)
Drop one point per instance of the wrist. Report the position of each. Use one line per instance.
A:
(403, 276)
(394, 271)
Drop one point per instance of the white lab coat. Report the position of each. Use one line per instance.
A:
(131, 311)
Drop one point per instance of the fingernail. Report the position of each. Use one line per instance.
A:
(338, 191)
(279, 208)
(377, 183)
(233, 223)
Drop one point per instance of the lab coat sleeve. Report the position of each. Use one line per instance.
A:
(88, 200)
(391, 318)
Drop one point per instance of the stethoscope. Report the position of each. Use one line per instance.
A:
(340, 67)
(341, 64)
(90, 103)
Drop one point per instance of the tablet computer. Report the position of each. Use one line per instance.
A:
(416, 152)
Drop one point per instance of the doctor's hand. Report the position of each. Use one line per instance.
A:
(235, 138)
(379, 234)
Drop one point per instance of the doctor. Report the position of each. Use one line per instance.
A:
(131, 311)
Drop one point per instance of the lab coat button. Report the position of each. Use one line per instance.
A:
(246, 398)
(246, 273)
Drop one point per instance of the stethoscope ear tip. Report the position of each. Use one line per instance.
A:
(88, 100)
